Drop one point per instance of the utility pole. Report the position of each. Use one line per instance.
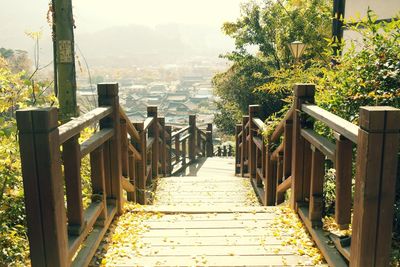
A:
(64, 58)
(337, 25)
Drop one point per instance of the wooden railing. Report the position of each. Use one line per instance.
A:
(124, 156)
(295, 157)
(190, 142)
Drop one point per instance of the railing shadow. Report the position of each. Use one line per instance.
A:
(191, 169)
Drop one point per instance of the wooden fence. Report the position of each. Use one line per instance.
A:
(124, 156)
(295, 157)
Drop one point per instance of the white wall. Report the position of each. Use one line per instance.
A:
(385, 9)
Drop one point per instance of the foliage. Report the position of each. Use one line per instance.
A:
(228, 117)
(15, 92)
(18, 60)
(365, 76)
(370, 76)
(268, 27)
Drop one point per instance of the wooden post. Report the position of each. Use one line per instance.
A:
(108, 96)
(141, 166)
(98, 181)
(209, 140)
(168, 129)
(253, 113)
(317, 186)
(377, 149)
(154, 132)
(71, 156)
(343, 162)
(192, 138)
(303, 93)
(43, 186)
(163, 147)
(244, 154)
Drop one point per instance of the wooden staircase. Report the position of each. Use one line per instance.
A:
(207, 216)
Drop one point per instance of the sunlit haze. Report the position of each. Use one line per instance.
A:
(134, 26)
(96, 14)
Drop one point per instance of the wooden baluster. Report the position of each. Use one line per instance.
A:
(98, 182)
(177, 148)
(253, 113)
(192, 138)
(141, 166)
(209, 140)
(302, 93)
(307, 162)
(169, 150)
(269, 175)
(377, 149)
(287, 148)
(343, 162)
(154, 132)
(244, 152)
(317, 186)
(163, 147)
(238, 149)
(184, 152)
(199, 147)
(260, 165)
(280, 197)
(132, 174)
(71, 156)
(107, 167)
(124, 148)
(43, 186)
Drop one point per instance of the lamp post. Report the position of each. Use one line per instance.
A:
(297, 49)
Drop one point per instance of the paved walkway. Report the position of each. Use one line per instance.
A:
(206, 216)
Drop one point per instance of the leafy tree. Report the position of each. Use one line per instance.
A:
(18, 60)
(15, 92)
(269, 27)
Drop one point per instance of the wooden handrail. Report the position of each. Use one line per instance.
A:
(148, 122)
(298, 164)
(131, 129)
(336, 123)
(260, 124)
(320, 142)
(123, 157)
(180, 131)
(150, 142)
(183, 138)
(76, 125)
(280, 128)
(95, 141)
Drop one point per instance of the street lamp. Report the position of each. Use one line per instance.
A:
(297, 49)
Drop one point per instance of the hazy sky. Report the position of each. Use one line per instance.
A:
(19, 16)
(102, 13)
(93, 15)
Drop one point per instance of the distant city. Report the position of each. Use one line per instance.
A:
(177, 91)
